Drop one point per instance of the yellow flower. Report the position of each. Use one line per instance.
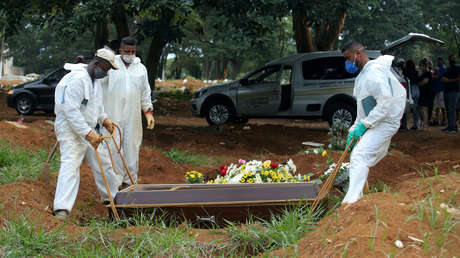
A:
(324, 153)
(267, 163)
(192, 176)
(250, 180)
(308, 178)
(245, 175)
(242, 180)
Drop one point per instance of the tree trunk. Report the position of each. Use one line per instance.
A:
(225, 68)
(120, 20)
(156, 48)
(162, 65)
(153, 58)
(302, 32)
(327, 34)
(236, 68)
(102, 34)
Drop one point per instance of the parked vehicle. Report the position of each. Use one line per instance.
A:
(35, 95)
(310, 85)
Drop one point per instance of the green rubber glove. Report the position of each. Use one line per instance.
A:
(350, 138)
(355, 134)
(359, 130)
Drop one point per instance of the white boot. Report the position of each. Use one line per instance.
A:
(358, 177)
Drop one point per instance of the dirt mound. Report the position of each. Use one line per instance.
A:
(189, 83)
(36, 134)
(370, 227)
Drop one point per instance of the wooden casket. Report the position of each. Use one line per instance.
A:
(214, 203)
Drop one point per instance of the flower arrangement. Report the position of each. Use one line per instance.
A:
(194, 177)
(256, 171)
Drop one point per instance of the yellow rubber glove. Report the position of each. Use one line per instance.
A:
(109, 125)
(150, 120)
(94, 138)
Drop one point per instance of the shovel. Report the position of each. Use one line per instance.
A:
(45, 177)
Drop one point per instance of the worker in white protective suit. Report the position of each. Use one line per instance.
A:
(79, 108)
(381, 101)
(126, 95)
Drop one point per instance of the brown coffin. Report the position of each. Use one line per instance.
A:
(215, 202)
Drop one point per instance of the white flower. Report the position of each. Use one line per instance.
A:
(236, 179)
(291, 167)
(258, 179)
(316, 151)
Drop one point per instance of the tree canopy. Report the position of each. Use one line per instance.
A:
(216, 39)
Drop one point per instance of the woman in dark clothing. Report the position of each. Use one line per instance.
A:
(411, 73)
(426, 97)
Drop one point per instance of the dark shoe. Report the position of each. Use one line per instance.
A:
(413, 128)
(124, 186)
(61, 214)
(445, 129)
(451, 131)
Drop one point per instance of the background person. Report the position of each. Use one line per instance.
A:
(377, 82)
(425, 99)
(127, 94)
(410, 72)
(439, 110)
(79, 108)
(451, 78)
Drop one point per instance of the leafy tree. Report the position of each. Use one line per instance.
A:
(317, 24)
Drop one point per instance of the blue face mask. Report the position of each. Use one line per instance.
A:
(351, 67)
(99, 73)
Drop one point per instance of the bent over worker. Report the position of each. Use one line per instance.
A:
(79, 108)
(126, 95)
(381, 101)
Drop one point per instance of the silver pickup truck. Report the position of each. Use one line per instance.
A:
(308, 86)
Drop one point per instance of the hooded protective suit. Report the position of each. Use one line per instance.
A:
(376, 80)
(78, 108)
(126, 92)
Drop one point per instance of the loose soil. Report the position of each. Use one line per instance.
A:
(412, 158)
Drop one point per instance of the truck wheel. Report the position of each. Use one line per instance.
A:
(24, 105)
(218, 113)
(341, 112)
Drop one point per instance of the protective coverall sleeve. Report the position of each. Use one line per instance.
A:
(380, 89)
(146, 99)
(73, 98)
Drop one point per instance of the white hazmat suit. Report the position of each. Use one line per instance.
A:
(78, 108)
(126, 93)
(376, 80)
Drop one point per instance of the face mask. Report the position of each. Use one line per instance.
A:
(351, 67)
(128, 58)
(99, 73)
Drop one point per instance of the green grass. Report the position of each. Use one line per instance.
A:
(380, 187)
(280, 231)
(17, 164)
(177, 94)
(185, 157)
(20, 238)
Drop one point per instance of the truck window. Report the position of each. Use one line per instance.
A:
(327, 68)
(265, 75)
(286, 74)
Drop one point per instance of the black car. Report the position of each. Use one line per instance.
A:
(36, 95)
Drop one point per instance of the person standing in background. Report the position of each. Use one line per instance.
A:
(439, 110)
(410, 72)
(126, 95)
(425, 99)
(451, 78)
